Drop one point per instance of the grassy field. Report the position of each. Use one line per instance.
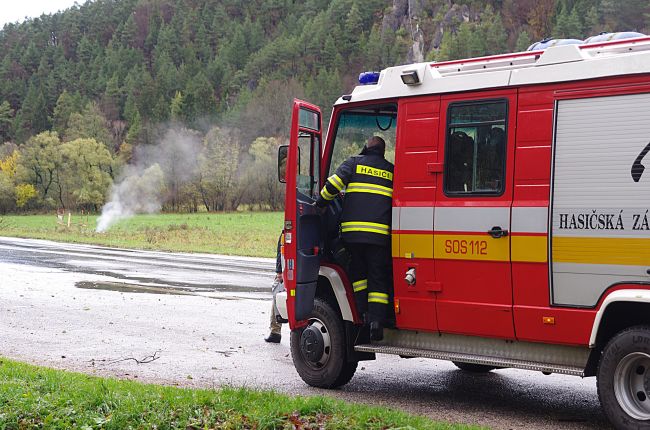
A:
(239, 233)
(34, 397)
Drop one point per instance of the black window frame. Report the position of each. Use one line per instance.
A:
(457, 194)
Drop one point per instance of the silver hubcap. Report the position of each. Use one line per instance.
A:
(632, 385)
(327, 343)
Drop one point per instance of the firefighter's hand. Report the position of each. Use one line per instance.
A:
(319, 209)
(278, 277)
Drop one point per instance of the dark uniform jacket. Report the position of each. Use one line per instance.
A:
(278, 255)
(368, 182)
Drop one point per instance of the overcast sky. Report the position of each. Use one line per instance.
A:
(17, 10)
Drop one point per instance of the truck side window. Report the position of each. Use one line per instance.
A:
(309, 155)
(476, 148)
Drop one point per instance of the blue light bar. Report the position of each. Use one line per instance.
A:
(369, 78)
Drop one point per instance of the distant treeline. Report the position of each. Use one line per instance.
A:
(109, 76)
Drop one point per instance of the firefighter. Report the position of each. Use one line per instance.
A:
(365, 227)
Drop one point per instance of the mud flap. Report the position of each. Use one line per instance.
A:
(304, 303)
(357, 335)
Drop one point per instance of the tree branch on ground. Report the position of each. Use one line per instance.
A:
(144, 360)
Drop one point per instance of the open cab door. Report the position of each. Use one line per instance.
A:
(300, 162)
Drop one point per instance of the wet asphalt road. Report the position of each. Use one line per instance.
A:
(203, 317)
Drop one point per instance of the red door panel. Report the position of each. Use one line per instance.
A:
(413, 199)
(472, 215)
(302, 221)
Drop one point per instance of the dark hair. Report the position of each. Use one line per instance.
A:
(376, 141)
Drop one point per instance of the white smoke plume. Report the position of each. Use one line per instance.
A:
(136, 193)
(143, 186)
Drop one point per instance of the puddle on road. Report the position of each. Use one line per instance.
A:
(134, 288)
(123, 287)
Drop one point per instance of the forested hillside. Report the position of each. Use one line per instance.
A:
(110, 76)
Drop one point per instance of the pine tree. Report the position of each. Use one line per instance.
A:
(66, 105)
(176, 107)
(495, 33)
(111, 104)
(523, 41)
(33, 117)
(567, 25)
(6, 118)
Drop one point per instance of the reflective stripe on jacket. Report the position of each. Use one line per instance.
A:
(368, 183)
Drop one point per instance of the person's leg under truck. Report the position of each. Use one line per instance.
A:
(275, 326)
(358, 275)
(378, 259)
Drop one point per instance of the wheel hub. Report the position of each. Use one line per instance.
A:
(311, 343)
(632, 385)
(315, 344)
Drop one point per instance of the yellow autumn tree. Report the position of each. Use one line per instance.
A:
(24, 193)
(8, 165)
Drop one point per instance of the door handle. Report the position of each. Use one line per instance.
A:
(497, 232)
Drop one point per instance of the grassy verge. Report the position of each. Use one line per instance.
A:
(241, 233)
(34, 397)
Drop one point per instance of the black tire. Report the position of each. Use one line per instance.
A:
(474, 368)
(622, 379)
(349, 368)
(334, 370)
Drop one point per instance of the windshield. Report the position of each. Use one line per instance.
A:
(355, 126)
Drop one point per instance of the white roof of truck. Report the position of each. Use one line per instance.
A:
(556, 64)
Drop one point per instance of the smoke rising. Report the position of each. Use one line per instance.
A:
(154, 176)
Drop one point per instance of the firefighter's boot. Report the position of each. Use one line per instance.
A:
(376, 331)
(273, 338)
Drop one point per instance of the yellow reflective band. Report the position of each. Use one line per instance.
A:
(371, 227)
(360, 285)
(373, 171)
(378, 298)
(336, 182)
(326, 194)
(360, 187)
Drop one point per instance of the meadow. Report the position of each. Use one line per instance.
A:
(35, 397)
(235, 233)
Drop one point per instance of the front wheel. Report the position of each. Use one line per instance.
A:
(319, 349)
(624, 379)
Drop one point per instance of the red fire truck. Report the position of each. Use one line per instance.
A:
(520, 224)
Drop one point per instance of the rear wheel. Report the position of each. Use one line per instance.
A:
(319, 349)
(474, 368)
(624, 379)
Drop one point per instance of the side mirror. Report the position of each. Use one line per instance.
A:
(283, 155)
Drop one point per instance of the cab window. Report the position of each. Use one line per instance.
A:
(476, 148)
(356, 125)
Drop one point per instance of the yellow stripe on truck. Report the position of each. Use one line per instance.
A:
(480, 247)
(395, 241)
(529, 249)
(415, 246)
(601, 250)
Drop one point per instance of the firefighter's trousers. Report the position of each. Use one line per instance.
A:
(370, 273)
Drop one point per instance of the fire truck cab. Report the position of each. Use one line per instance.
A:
(520, 224)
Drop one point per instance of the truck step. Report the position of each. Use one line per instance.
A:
(471, 358)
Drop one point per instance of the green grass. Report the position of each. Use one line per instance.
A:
(239, 233)
(35, 397)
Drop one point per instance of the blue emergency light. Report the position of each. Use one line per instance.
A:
(369, 78)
